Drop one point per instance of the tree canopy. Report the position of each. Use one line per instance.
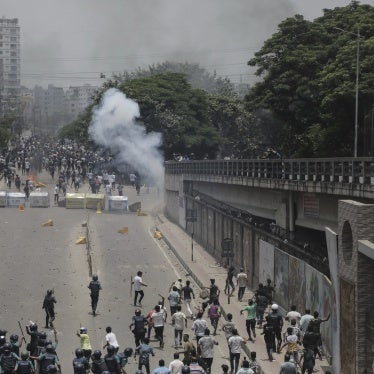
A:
(307, 91)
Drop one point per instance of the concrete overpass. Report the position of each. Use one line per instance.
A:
(257, 205)
(297, 192)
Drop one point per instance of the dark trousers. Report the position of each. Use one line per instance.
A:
(159, 330)
(94, 301)
(234, 361)
(146, 365)
(241, 293)
(251, 326)
(139, 338)
(141, 293)
(208, 364)
(49, 316)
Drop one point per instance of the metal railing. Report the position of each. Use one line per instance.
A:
(339, 170)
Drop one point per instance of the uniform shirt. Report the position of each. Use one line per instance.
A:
(138, 283)
(111, 339)
(251, 311)
(235, 343)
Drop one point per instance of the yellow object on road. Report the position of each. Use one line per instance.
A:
(124, 230)
(48, 223)
(21, 208)
(81, 240)
(98, 210)
(157, 235)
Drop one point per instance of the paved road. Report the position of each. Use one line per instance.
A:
(35, 258)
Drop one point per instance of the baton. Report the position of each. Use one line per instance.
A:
(23, 335)
(131, 285)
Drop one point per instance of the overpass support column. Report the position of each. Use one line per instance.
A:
(291, 212)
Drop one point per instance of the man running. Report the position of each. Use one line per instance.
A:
(138, 284)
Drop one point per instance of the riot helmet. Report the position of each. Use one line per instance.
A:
(79, 352)
(7, 347)
(128, 352)
(185, 369)
(83, 330)
(33, 327)
(96, 354)
(95, 277)
(110, 349)
(13, 338)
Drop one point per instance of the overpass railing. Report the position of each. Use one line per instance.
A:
(344, 170)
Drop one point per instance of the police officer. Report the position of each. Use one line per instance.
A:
(112, 360)
(95, 288)
(47, 359)
(80, 361)
(8, 359)
(24, 366)
(49, 308)
(15, 343)
(32, 330)
(98, 365)
(138, 322)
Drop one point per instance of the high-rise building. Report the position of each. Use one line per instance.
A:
(9, 67)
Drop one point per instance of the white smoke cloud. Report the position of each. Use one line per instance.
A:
(114, 126)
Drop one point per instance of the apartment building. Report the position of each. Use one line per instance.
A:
(9, 67)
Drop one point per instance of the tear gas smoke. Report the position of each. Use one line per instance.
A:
(114, 126)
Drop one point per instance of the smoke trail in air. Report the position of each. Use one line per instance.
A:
(114, 126)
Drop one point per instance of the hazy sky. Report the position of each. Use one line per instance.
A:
(70, 42)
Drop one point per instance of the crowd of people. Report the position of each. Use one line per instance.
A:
(69, 165)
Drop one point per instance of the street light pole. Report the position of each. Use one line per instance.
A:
(357, 82)
(356, 104)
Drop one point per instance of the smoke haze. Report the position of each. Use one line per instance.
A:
(114, 126)
(71, 42)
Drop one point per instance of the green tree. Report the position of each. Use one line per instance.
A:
(308, 77)
(5, 132)
(168, 104)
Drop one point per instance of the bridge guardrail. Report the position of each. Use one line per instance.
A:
(333, 170)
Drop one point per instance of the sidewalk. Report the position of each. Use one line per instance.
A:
(202, 269)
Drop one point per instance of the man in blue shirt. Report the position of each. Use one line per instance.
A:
(162, 369)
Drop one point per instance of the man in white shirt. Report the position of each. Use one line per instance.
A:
(111, 339)
(180, 322)
(199, 326)
(138, 283)
(304, 321)
(176, 365)
(158, 323)
(241, 280)
(293, 314)
(235, 345)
